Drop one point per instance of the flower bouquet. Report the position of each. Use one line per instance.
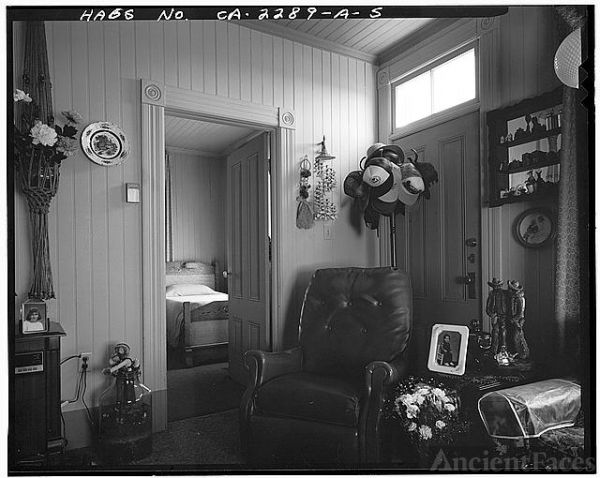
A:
(427, 412)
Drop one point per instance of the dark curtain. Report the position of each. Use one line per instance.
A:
(572, 240)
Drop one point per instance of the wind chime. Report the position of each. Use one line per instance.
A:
(324, 207)
(38, 167)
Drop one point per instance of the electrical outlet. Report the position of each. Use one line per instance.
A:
(327, 232)
(85, 357)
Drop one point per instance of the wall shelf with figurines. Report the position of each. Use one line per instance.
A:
(525, 145)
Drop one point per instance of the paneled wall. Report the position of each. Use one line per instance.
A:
(198, 194)
(516, 62)
(95, 237)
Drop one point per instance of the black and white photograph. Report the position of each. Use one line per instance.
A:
(448, 348)
(33, 317)
(299, 238)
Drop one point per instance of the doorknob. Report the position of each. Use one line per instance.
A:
(468, 279)
(226, 274)
(471, 242)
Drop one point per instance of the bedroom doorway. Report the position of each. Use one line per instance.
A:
(157, 100)
(199, 372)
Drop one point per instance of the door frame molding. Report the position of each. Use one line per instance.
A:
(156, 99)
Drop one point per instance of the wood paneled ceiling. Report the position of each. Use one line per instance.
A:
(365, 39)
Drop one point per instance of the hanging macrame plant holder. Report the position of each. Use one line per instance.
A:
(37, 166)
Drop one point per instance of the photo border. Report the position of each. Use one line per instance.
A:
(436, 331)
(39, 304)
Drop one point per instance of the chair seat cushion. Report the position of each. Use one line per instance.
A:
(311, 397)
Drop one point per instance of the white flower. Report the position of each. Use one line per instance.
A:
(43, 134)
(438, 392)
(440, 424)
(407, 399)
(412, 427)
(412, 411)
(450, 407)
(20, 95)
(425, 432)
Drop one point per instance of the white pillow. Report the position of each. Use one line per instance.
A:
(179, 290)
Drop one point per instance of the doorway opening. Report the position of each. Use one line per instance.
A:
(197, 238)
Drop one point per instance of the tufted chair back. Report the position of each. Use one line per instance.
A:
(354, 316)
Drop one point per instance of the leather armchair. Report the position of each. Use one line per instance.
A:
(320, 402)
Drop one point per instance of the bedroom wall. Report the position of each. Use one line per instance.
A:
(516, 62)
(198, 194)
(95, 237)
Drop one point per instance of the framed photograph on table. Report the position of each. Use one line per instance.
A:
(535, 227)
(34, 319)
(448, 349)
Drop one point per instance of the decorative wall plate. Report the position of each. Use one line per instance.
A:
(105, 143)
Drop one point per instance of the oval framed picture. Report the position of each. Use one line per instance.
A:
(535, 227)
(105, 143)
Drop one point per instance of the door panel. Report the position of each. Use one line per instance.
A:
(432, 241)
(247, 252)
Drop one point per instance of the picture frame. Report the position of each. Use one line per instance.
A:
(34, 317)
(535, 228)
(448, 349)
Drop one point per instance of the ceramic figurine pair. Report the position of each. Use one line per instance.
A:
(506, 309)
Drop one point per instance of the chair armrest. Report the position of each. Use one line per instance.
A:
(262, 367)
(379, 376)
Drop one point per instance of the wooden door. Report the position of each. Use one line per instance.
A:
(248, 252)
(439, 243)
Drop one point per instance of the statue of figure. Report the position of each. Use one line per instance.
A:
(517, 306)
(498, 309)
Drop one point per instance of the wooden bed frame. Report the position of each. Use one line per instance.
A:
(211, 319)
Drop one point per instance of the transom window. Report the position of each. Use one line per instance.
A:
(449, 83)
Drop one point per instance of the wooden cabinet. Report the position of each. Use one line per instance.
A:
(524, 147)
(35, 427)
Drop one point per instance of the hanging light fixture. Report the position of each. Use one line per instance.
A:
(568, 59)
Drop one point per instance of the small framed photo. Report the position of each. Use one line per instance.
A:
(448, 349)
(33, 317)
(534, 227)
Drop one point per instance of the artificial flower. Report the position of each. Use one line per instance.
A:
(72, 116)
(440, 424)
(67, 146)
(412, 426)
(20, 95)
(449, 407)
(412, 411)
(425, 432)
(56, 143)
(43, 134)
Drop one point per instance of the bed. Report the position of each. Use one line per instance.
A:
(197, 313)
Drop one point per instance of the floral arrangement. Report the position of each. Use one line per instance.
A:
(428, 413)
(56, 143)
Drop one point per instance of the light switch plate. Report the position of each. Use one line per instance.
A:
(133, 192)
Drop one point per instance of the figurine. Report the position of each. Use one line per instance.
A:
(498, 309)
(517, 305)
(531, 183)
(536, 126)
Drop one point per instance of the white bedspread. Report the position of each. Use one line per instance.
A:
(175, 311)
